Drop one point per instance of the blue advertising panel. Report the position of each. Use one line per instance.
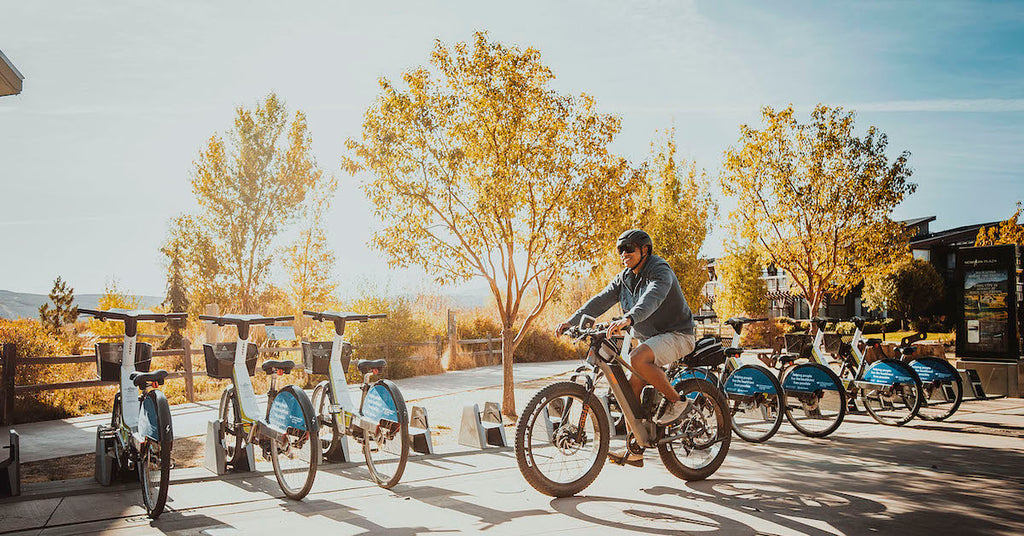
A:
(888, 373)
(808, 378)
(748, 381)
(379, 404)
(148, 425)
(286, 412)
(933, 369)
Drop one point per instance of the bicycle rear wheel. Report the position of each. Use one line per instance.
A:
(155, 453)
(815, 399)
(943, 388)
(756, 399)
(700, 441)
(562, 455)
(296, 455)
(386, 446)
(891, 392)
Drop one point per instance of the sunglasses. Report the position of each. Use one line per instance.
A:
(628, 248)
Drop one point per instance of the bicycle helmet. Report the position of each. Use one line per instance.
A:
(635, 237)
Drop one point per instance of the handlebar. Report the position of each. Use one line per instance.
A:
(333, 316)
(245, 320)
(704, 317)
(138, 315)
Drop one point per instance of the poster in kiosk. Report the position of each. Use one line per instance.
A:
(991, 296)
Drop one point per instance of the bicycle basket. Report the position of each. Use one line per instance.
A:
(316, 356)
(220, 359)
(707, 353)
(800, 344)
(108, 359)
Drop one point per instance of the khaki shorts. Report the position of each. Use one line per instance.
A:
(670, 347)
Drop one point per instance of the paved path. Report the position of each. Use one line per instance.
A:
(962, 477)
(53, 439)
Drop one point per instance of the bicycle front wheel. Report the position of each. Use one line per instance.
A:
(562, 439)
(386, 445)
(756, 400)
(296, 454)
(155, 453)
(815, 399)
(891, 392)
(230, 434)
(330, 432)
(695, 447)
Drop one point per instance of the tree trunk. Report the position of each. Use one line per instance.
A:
(508, 393)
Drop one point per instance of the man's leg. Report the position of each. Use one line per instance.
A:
(642, 360)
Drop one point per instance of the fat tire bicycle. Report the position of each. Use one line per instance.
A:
(287, 434)
(563, 434)
(140, 420)
(380, 425)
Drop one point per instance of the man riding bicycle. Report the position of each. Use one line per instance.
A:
(653, 304)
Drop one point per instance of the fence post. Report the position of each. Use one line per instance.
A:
(212, 331)
(453, 339)
(439, 349)
(10, 362)
(186, 355)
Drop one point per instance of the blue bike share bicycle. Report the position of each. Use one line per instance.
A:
(140, 434)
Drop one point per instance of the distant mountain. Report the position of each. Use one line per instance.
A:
(22, 305)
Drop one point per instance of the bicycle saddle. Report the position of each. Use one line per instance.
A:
(142, 379)
(284, 365)
(366, 366)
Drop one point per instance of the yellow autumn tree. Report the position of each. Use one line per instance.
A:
(817, 199)
(309, 261)
(249, 188)
(482, 169)
(1007, 232)
(741, 289)
(676, 208)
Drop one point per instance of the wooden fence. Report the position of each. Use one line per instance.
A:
(11, 361)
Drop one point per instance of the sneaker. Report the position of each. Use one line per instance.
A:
(674, 411)
(626, 457)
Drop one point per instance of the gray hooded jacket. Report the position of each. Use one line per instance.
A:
(652, 299)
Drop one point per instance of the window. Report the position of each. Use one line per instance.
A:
(923, 254)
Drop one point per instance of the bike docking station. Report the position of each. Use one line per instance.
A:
(214, 454)
(419, 430)
(10, 469)
(482, 429)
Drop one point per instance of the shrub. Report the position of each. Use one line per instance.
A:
(764, 334)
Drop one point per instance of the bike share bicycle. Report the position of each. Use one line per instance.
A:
(889, 389)
(757, 400)
(815, 396)
(287, 434)
(140, 433)
(563, 433)
(381, 424)
(942, 388)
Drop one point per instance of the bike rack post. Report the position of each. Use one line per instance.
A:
(215, 459)
(106, 457)
(419, 430)
(482, 429)
(972, 380)
(10, 469)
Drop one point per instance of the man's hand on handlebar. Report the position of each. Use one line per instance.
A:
(618, 325)
(561, 328)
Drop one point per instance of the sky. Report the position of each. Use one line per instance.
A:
(119, 97)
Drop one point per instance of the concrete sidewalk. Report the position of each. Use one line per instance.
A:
(961, 477)
(67, 437)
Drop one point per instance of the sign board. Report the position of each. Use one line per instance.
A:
(989, 288)
(280, 333)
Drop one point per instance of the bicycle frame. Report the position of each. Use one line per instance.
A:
(610, 361)
(352, 418)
